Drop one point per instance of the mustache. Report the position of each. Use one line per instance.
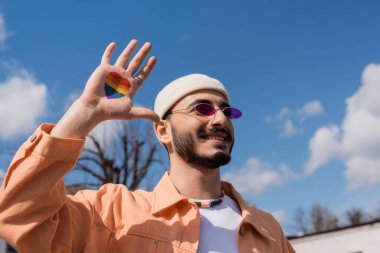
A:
(204, 132)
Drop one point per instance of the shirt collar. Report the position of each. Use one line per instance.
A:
(249, 213)
(165, 195)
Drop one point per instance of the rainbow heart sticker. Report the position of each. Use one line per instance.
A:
(116, 86)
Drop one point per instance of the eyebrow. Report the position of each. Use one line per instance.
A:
(222, 104)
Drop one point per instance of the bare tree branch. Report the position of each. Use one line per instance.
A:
(89, 171)
(126, 160)
(356, 216)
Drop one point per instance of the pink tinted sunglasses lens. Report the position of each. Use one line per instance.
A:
(205, 109)
(232, 113)
(208, 110)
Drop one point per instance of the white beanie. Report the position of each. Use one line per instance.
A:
(183, 86)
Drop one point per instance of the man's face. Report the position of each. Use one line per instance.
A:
(205, 141)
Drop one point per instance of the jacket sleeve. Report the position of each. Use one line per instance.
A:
(286, 246)
(266, 220)
(35, 213)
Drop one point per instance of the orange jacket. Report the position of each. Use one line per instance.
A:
(37, 216)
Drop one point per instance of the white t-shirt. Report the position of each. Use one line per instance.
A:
(219, 227)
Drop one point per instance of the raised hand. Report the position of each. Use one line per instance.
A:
(121, 81)
(109, 92)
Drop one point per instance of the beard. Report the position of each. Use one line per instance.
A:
(184, 145)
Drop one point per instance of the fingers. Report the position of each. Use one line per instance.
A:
(124, 56)
(145, 71)
(122, 60)
(106, 58)
(123, 109)
(139, 58)
(128, 70)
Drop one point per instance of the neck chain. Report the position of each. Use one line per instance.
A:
(209, 203)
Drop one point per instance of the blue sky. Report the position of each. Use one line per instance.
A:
(289, 65)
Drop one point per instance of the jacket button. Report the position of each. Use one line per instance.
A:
(242, 231)
(33, 138)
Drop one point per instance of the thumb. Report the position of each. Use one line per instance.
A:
(143, 113)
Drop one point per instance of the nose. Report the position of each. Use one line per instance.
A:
(219, 119)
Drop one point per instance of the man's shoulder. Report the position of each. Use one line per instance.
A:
(109, 194)
(263, 216)
(259, 212)
(121, 190)
(233, 192)
(261, 219)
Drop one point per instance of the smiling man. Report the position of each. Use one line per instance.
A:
(190, 209)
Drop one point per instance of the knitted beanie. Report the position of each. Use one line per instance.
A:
(183, 86)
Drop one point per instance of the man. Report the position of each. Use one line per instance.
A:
(190, 209)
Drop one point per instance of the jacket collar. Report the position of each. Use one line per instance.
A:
(250, 214)
(165, 195)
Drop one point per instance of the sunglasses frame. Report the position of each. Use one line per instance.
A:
(194, 109)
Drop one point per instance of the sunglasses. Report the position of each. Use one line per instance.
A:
(209, 110)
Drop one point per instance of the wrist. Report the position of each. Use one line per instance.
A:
(77, 122)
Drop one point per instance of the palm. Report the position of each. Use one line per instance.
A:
(94, 95)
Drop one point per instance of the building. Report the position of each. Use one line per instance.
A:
(363, 238)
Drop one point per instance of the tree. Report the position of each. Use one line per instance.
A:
(125, 160)
(323, 219)
(317, 219)
(301, 221)
(356, 216)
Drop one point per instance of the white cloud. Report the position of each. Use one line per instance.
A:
(4, 33)
(288, 128)
(324, 146)
(356, 141)
(362, 171)
(284, 112)
(287, 173)
(22, 101)
(311, 109)
(255, 176)
(291, 121)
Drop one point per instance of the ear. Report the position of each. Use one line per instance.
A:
(163, 132)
